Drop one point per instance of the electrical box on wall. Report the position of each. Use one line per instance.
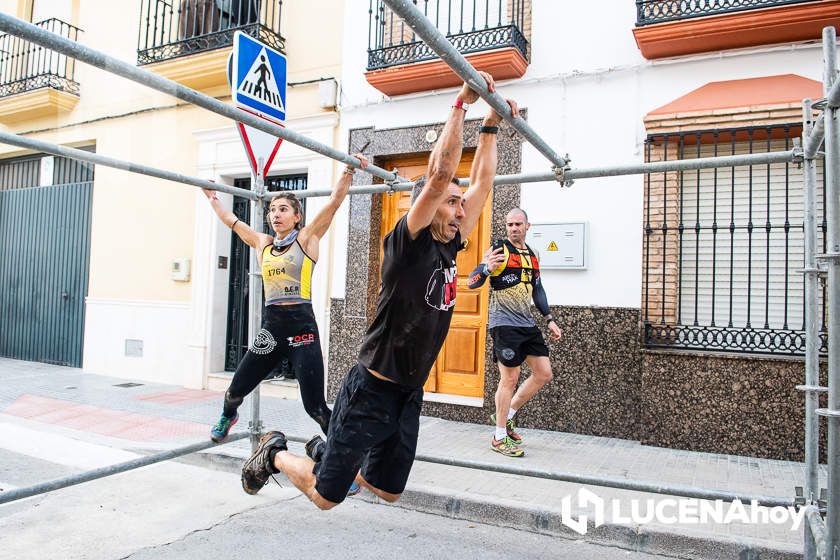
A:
(560, 245)
(181, 270)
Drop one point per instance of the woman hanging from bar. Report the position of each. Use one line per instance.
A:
(288, 324)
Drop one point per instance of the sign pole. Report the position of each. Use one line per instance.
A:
(255, 427)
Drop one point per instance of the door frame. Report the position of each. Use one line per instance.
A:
(351, 315)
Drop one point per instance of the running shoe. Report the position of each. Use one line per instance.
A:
(315, 448)
(510, 427)
(258, 469)
(355, 488)
(220, 431)
(506, 447)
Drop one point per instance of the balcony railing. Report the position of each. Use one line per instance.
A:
(25, 66)
(173, 28)
(470, 25)
(660, 11)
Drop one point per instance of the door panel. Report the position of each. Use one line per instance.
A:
(459, 368)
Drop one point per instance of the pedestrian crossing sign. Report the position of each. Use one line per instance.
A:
(258, 77)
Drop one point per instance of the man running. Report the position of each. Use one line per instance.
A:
(373, 434)
(514, 272)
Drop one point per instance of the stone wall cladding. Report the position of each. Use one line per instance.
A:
(721, 404)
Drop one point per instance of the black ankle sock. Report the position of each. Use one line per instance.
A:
(271, 455)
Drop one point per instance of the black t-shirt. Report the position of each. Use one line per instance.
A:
(416, 298)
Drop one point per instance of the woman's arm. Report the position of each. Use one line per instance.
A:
(311, 235)
(240, 228)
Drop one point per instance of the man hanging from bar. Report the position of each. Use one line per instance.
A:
(373, 434)
(514, 272)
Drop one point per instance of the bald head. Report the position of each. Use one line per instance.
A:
(516, 226)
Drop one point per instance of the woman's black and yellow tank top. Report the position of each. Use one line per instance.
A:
(287, 277)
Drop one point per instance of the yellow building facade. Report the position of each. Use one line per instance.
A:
(139, 320)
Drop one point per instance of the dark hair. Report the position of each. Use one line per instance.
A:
(421, 182)
(293, 201)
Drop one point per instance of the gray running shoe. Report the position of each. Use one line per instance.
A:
(258, 469)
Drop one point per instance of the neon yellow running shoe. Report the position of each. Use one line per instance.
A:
(506, 447)
(510, 427)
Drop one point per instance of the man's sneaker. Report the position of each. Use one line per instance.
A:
(315, 448)
(506, 447)
(258, 469)
(220, 431)
(510, 427)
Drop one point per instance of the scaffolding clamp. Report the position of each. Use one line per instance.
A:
(798, 153)
(560, 173)
(391, 190)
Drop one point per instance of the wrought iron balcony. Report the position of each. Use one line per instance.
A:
(25, 66)
(660, 11)
(471, 25)
(175, 28)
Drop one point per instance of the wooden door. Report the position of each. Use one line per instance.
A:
(459, 368)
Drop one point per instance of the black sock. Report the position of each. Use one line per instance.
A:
(271, 455)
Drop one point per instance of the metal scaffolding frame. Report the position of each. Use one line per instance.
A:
(822, 538)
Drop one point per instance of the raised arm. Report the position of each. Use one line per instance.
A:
(483, 169)
(240, 228)
(443, 161)
(311, 235)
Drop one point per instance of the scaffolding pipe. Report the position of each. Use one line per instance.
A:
(518, 178)
(255, 300)
(39, 36)
(20, 493)
(832, 205)
(594, 172)
(424, 29)
(812, 330)
(608, 482)
(815, 530)
(98, 159)
(814, 139)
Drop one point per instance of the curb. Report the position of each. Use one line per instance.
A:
(547, 521)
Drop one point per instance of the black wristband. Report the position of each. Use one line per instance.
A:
(488, 129)
(549, 318)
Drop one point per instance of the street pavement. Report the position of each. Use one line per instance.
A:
(57, 421)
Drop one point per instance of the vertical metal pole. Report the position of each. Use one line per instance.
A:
(812, 330)
(832, 205)
(254, 300)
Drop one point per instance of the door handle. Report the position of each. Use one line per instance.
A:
(65, 295)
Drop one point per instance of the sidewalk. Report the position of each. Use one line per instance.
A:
(146, 417)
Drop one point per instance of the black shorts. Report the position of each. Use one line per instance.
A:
(512, 344)
(374, 428)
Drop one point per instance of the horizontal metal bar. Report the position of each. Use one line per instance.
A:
(816, 526)
(29, 491)
(113, 65)
(593, 172)
(624, 484)
(90, 157)
(421, 25)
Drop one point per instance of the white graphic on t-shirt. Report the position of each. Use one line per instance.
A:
(440, 291)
